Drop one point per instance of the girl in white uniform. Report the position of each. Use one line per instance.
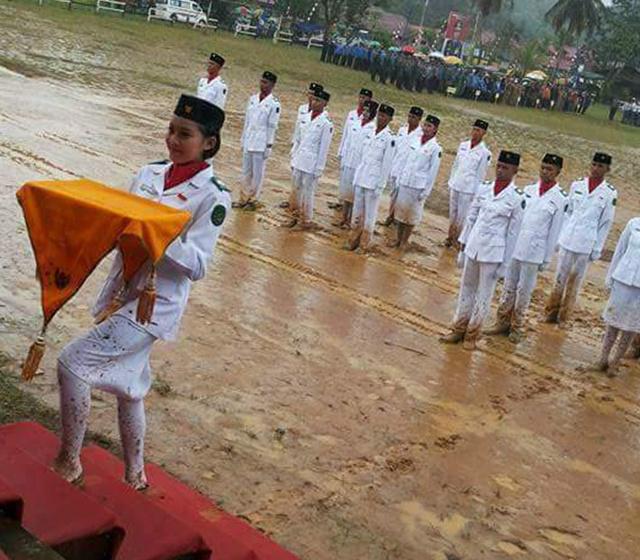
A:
(114, 355)
(622, 314)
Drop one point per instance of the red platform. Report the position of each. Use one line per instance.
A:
(162, 523)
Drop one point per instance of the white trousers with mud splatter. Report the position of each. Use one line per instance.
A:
(476, 292)
(570, 273)
(253, 166)
(365, 209)
(459, 204)
(305, 194)
(516, 295)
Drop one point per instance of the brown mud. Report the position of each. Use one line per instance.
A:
(308, 392)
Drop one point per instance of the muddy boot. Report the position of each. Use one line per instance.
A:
(389, 221)
(453, 337)
(517, 332)
(365, 241)
(469, 343)
(502, 324)
(451, 236)
(354, 241)
(634, 350)
(552, 308)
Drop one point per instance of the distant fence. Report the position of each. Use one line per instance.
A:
(111, 6)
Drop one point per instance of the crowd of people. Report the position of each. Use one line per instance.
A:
(630, 111)
(498, 230)
(420, 74)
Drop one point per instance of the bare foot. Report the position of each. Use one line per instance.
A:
(68, 469)
(137, 481)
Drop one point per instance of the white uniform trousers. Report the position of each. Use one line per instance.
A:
(346, 183)
(459, 204)
(393, 195)
(253, 166)
(409, 207)
(305, 184)
(365, 209)
(476, 292)
(518, 288)
(571, 271)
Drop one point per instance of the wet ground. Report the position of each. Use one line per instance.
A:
(308, 392)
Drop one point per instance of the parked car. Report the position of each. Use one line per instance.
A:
(184, 11)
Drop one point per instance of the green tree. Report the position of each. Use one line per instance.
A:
(531, 56)
(576, 16)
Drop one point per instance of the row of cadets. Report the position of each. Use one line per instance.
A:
(468, 172)
(358, 121)
(212, 88)
(262, 116)
(405, 135)
(370, 178)
(416, 178)
(309, 157)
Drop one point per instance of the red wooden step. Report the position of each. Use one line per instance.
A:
(54, 511)
(151, 533)
(229, 537)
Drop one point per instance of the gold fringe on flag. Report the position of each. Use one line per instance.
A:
(34, 357)
(147, 300)
(116, 303)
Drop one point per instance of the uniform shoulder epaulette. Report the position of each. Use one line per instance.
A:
(564, 193)
(519, 191)
(611, 186)
(218, 183)
(160, 162)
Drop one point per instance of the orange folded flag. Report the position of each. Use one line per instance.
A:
(73, 225)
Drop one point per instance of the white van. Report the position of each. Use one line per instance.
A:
(184, 11)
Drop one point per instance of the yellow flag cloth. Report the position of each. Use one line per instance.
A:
(73, 225)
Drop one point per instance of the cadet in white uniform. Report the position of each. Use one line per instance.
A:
(592, 206)
(310, 151)
(405, 136)
(622, 314)
(536, 245)
(258, 136)
(303, 111)
(467, 174)
(212, 88)
(114, 355)
(488, 240)
(371, 177)
(352, 155)
(416, 179)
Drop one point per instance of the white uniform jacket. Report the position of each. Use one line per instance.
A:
(493, 224)
(352, 154)
(214, 91)
(421, 166)
(625, 265)
(470, 167)
(260, 123)
(377, 156)
(311, 145)
(589, 218)
(303, 111)
(350, 122)
(186, 258)
(541, 224)
(403, 141)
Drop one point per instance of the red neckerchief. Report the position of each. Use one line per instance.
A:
(500, 185)
(314, 114)
(474, 144)
(179, 173)
(544, 187)
(263, 96)
(594, 184)
(424, 139)
(359, 110)
(210, 78)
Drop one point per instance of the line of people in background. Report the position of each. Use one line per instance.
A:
(630, 111)
(500, 231)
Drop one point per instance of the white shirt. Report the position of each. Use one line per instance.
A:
(185, 260)
(403, 141)
(377, 157)
(470, 167)
(541, 224)
(421, 166)
(303, 111)
(214, 91)
(625, 264)
(260, 123)
(352, 153)
(349, 123)
(589, 218)
(311, 145)
(493, 224)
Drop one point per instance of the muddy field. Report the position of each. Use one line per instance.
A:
(308, 392)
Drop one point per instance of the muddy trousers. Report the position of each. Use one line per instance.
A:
(75, 405)
(365, 209)
(476, 292)
(516, 295)
(253, 166)
(305, 193)
(610, 337)
(571, 271)
(393, 195)
(459, 204)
